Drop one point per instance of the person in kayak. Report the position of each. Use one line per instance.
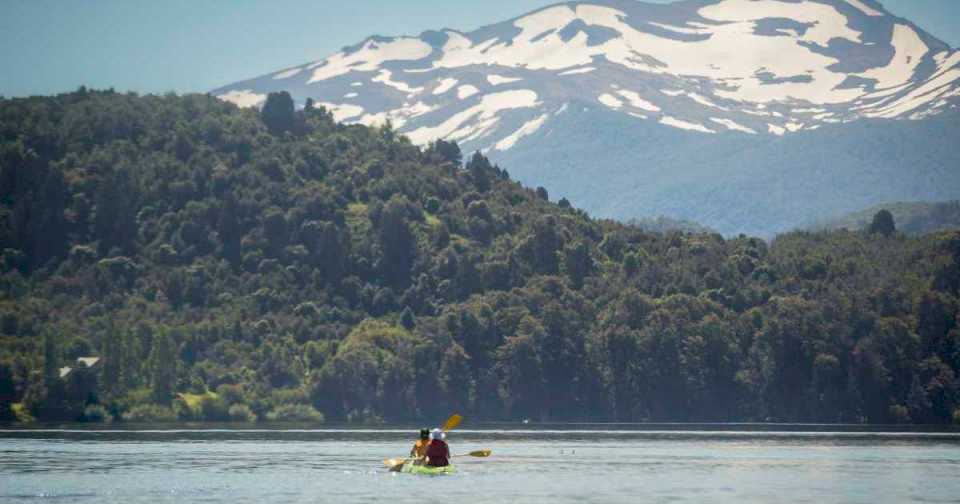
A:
(419, 450)
(438, 453)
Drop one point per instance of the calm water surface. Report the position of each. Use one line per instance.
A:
(269, 466)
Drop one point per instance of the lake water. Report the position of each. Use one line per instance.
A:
(340, 465)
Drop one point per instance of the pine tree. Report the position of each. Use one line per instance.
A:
(397, 240)
(163, 366)
(480, 170)
(278, 113)
(111, 360)
(131, 352)
(883, 223)
(407, 319)
(51, 359)
(7, 392)
(577, 263)
(918, 401)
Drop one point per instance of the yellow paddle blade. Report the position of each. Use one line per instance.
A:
(393, 462)
(480, 453)
(452, 422)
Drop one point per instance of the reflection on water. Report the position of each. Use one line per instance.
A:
(543, 465)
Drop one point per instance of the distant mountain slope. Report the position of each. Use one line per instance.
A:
(663, 224)
(697, 86)
(913, 218)
(741, 183)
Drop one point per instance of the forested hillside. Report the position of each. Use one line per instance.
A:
(225, 266)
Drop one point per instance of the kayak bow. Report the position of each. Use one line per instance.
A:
(410, 468)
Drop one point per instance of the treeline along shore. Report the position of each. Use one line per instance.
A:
(174, 258)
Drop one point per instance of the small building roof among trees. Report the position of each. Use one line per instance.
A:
(86, 361)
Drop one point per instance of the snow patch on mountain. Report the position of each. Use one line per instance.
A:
(444, 86)
(496, 80)
(578, 71)
(342, 111)
(466, 91)
(702, 100)
(486, 113)
(636, 101)
(529, 49)
(610, 100)
(370, 56)
(398, 117)
(527, 129)
(288, 73)
(864, 8)
(732, 125)
(918, 97)
(825, 22)
(385, 78)
(679, 123)
(243, 98)
(690, 31)
(909, 50)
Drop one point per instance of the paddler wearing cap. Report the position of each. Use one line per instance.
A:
(438, 453)
(419, 450)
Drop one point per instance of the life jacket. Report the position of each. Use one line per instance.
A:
(420, 448)
(438, 454)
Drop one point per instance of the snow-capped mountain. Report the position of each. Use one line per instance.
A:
(696, 74)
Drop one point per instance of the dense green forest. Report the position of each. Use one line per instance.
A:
(230, 264)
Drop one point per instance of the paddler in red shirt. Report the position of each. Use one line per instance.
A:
(438, 453)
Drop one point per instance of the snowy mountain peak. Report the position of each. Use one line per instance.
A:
(708, 66)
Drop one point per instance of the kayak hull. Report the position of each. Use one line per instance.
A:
(427, 470)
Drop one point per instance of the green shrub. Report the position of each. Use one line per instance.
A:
(289, 396)
(899, 414)
(213, 408)
(183, 410)
(149, 413)
(295, 413)
(197, 386)
(432, 205)
(133, 398)
(97, 413)
(242, 413)
(22, 414)
(232, 394)
(365, 417)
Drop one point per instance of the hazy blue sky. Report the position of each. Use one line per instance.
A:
(48, 46)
